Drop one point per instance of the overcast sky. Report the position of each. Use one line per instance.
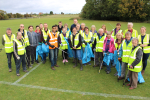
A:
(45, 6)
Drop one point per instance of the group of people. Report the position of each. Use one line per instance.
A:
(132, 48)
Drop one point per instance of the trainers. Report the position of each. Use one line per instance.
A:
(44, 62)
(18, 74)
(108, 72)
(63, 61)
(26, 71)
(116, 74)
(30, 66)
(95, 66)
(10, 70)
(66, 60)
(37, 61)
(89, 63)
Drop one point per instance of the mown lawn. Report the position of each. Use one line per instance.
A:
(65, 77)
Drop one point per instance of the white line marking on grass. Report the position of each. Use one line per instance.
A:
(27, 73)
(78, 92)
(111, 25)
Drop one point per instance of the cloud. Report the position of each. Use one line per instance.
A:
(45, 6)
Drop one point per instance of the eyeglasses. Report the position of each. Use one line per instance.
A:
(21, 26)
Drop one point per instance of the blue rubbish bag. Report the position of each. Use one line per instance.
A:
(69, 51)
(117, 63)
(87, 54)
(39, 51)
(107, 58)
(45, 48)
(140, 78)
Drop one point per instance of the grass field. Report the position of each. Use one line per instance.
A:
(66, 82)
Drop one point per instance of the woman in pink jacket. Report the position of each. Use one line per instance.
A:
(108, 47)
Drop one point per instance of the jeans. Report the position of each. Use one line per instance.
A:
(53, 56)
(18, 63)
(44, 56)
(145, 57)
(9, 55)
(77, 53)
(109, 66)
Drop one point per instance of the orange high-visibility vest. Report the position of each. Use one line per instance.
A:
(53, 40)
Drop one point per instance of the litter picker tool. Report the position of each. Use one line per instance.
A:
(64, 58)
(125, 79)
(62, 50)
(100, 67)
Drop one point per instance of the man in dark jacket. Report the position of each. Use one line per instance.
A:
(60, 27)
(74, 25)
(33, 39)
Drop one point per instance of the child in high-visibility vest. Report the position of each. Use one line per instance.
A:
(63, 44)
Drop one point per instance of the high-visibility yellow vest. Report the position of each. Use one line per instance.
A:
(94, 37)
(113, 35)
(146, 42)
(126, 51)
(87, 39)
(8, 43)
(65, 46)
(134, 33)
(81, 32)
(132, 58)
(20, 47)
(116, 46)
(25, 38)
(100, 43)
(76, 40)
(45, 34)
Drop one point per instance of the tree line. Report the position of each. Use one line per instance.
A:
(122, 10)
(4, 15)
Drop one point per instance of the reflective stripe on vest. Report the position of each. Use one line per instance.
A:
(65, 46)
(100, 43)
(8, 43)
(26, 39)
(114, 35)
(146, 42)
(132, 58)
(126, 51)
(87, 39)
(76, 40)
(53, 40)
(20, 47)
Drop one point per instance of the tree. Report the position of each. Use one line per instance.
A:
(125, 10)
(62, 13)
(51, 12)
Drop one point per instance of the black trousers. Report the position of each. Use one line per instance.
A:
(31, 52)
(97, 56)
(65, 55)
